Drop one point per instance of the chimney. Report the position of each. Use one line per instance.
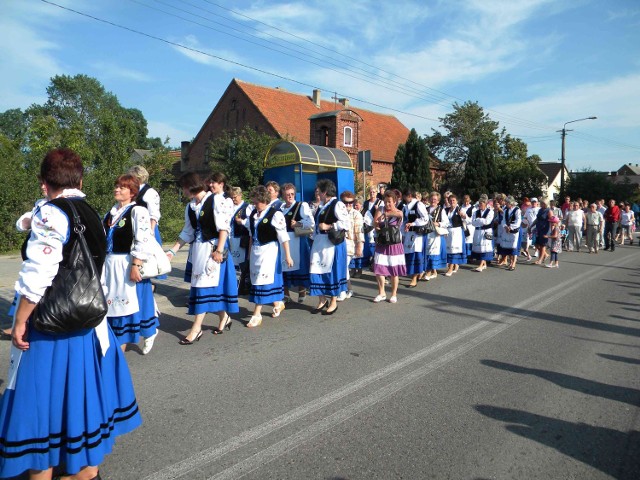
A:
(184, 147)
(344, 102)
(316, 97)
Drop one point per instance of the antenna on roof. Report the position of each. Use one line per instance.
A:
(335, 100)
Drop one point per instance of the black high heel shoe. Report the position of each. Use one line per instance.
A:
(186, 341)
(327, 312)
(320, 308)
(227, 325)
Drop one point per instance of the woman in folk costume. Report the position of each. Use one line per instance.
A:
(456, 250)
(466, 213)
(268, 231)
(482, 220)
(296, 214)
(415, 219)
(328, 270)
(68, 395)
(207, 223)
(132, 309)
(239, 239)
(436, 251)
(149, 198)
(510, 236)
(368, 213)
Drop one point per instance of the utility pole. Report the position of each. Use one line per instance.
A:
(562, 160)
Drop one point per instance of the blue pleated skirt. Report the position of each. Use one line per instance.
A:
(488, 256)
(69, 404)
(332, 283)
(224, 297)
(458, 258)
(434, 262)
(300, 277)
(12, 307)
(143, 323)
(368, 250)
(414, 263)
(272, 292)
(468, 248)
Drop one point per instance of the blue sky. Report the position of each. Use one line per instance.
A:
(531, 64)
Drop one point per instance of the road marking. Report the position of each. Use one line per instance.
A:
(267, 455)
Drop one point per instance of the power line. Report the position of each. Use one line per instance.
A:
(266, 72)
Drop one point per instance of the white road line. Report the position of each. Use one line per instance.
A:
(204, 457)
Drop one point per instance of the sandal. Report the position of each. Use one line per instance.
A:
(277, 309)
(379, 298)
(255, 321)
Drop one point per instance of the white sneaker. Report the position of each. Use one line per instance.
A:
(379, 298)
(349, 293)
(342, 297)
(148, 343)
(393, 299)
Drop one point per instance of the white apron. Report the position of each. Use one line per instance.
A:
(322, 254)
(122, 298)
(204, 273)
(481, 244)
(455, 242)
(238, 255)
(433, 243)
(294, 251)
(412, 242)
(262, 267)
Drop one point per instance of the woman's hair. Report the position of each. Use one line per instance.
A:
(408, 192)
(326, 186)
(61, 168)
(391, 194)
(425, 195)
(273, 185)
(192, 183)
(347, 194)
(140, 173)
(287, 186)
(434, 193)
(260, 194)
(452, 195)
(235, 191)
(219, 177)
(128, 181)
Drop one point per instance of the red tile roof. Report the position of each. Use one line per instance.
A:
(289, 114)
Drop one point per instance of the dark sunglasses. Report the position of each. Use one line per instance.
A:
(349, 203)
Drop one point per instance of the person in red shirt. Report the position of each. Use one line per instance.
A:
(611, 221)
(566, 206)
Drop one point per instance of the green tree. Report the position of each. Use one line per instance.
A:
(519, 174)
(13, 125)
(591, 185)
(17, 195)
(240, 156)
(480, 173)
(411, 165)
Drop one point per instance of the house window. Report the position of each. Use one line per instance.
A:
(324, 137)
(348, 136)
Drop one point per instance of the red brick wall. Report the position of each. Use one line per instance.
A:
(233, 111)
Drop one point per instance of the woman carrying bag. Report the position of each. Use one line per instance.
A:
(389, 260)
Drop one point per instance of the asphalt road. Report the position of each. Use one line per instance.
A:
(531, 374)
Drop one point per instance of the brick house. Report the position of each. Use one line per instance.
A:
(301, 118)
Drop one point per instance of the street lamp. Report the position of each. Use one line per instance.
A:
(564, 134)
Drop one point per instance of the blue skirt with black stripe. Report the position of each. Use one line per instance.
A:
(333, 283)
(224, 297)
(143, 323)
(69, 404)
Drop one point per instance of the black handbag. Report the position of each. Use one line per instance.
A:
(389, 234)
(75, 300)
(336, 236)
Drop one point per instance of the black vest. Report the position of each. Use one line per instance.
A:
(122, 237)
(512, 216)
(484, 215)
(139, 200)
(412, 214)
(240, 230)
(456, 221)
(266, 232)
(328, 215)
(206, 221)
(289, 217)
(435, 215)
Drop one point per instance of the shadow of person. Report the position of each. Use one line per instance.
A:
(610, 451)
(616, 358)
(571, 382)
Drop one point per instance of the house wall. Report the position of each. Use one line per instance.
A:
(233, 112)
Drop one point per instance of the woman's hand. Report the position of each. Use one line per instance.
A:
(217, 256)
(20, 336)
(408, 226)
(134, 271)
(289, 261)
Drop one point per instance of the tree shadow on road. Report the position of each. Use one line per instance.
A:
(613, 452)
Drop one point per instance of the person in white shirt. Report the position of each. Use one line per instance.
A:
(575, 221)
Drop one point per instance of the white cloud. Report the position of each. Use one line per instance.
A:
(205, 55)
(112, 70)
